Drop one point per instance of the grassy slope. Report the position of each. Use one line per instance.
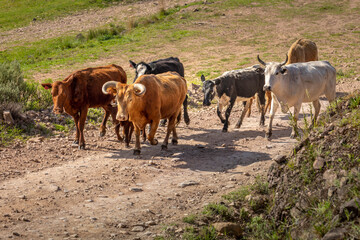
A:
(22, 12)
(202, 38)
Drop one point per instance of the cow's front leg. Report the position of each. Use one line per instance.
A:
(81, 124)
(112, 111)
(274, 107)
(243, 113)
(153, 127)
(295, 131)
(249, 109)
(227, 115)
(76, 118)
(218, 111)
(170, 128)
(137, 149)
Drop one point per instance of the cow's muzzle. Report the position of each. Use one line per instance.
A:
(58, 110)
(122, 117)
(267, 88)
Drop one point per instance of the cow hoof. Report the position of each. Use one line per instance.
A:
(224, 130)
(82, 147)
(268, 135)
(163, 147)
(174, 142)
(237, 126)
(222, 121)
(187, 120)
(102, 134)
(137, 151)
(154, 142)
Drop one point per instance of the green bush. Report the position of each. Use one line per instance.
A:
(12, 85)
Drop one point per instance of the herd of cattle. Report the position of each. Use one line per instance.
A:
(159, 89)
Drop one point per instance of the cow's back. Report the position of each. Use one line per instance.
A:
(303, 50)
(167, 65)
(164, 92)
(314, 78)
(244, 82)
(88, 84)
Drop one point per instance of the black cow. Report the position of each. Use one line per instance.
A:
(236, 85)
(162, 66)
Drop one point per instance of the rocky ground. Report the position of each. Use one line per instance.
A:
(51, 190)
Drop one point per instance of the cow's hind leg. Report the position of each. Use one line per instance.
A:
(127, 131)
(163, 122)
(170, 128)
(186, 115)
(249, 109)
(274, 107)
(245, 109)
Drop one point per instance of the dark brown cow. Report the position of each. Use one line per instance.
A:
(149, 99)
(81, 91)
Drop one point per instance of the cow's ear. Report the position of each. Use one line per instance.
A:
(202, 78)
(217, 81)
(283, 70)
(132, 64)
(46, 85)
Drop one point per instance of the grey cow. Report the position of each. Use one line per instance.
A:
(235, 85)
(296, 83)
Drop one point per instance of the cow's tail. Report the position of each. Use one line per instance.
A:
(186, 115)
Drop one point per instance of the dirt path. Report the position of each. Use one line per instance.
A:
(106, 193)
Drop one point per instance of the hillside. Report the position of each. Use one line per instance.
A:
(50, 190)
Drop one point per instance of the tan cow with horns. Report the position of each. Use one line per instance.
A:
(146, 101)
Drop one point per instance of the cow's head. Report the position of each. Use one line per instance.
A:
(126, 96)
(208, 90)
(140, 69)
(273, 72)
(60, 94)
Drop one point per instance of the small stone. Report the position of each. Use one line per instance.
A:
(228, 228)
(121, 225)
(335, 234)
(350, 209)
(319, 163)
(330, 177)
(279, 159)
(136, 189)
(188, 183)
(138, 229)
(150, 223)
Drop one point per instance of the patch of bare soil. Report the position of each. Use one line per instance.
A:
(50, 190)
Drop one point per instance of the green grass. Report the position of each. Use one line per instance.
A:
(20, 13)
(8, 134)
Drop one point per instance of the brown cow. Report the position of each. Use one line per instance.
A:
(149, 99)
(81, 91)
(303, 50)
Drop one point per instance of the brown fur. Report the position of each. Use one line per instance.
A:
(163, 98)
(303, 50)
(81, 90)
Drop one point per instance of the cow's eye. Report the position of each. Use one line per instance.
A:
(276, 73)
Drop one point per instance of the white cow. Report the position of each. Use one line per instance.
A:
(296, 83)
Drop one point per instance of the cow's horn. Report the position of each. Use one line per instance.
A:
(282, 64)
(107, 85)
(140, 89)
(261, 61)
